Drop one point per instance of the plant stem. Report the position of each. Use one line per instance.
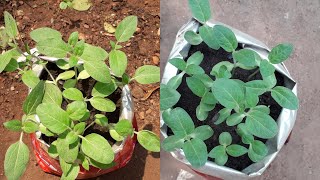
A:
(254, 73)
(54, 81)
(21, 136)
(89, 126)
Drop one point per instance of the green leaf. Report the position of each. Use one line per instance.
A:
(285, 97)
(206, 34)
(180, 122)
(100, 165)
(225, 139)
(219, 154)
(206, 80)
(169, 97)
(101, 120)
(53, 117)
(16, 160)
(261, 108)
(98, 70)
(6, 57)
(261, 125)
(194, 69)
(196, 58)
(225, 37)
(147, 74)
(79, 50)
(103, 104)
(103, 89)
(247, 57)
(178, 63)
(172, 143)
(228, 92)
(256, 86)
(196, 86)
(149, 140)
(118, 62)
(223, 114)
(63, 64)
(115, 135)
(52, 150)
(246, 137)
(45, 131)
(175, 81)
(30, 127)
(223, 72)
(73, 61)
(53, 47)
(73, 94)
(192, 38)
(97, 147)
(66, 75)
(266, 69)
(280, 53)
(13, 125)
(257, 151)
(70, 83)
(86, 164)
(30, 79)
(196, 152)
(124, 128)
(93, 53)
(202, 132)
(12, 65)
(77, 110)
(34, 99)
(45, 33)
(215, 70)
(200, 10)
(126, 28)
(270, 81)
(52, 94)
(236, 150)
(79, 128)
(68, 152)
(72, 173)
(252, 99)
(63, 5)
(83, 75)
(10, 25)
(73, 38)
(81, 5)
(203, 109)
(235, 119)
(71, 137)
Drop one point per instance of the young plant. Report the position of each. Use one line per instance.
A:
(79, 5)
(43, 110)
(239, 99)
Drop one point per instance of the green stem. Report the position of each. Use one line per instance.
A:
(89, 126)
(254, 73)
(54, 81)
(21, 136)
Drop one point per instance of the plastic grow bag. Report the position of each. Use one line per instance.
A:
(286, 119)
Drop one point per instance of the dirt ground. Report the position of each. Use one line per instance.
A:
(272, 22)
(143, 48)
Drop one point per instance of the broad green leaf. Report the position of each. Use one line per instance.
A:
(71, 137)
(81, 5)
(219, 154)
(72, 173)
(80, 46)
(73, 60)
(68, 152)
(73, 94)
(6, 57)
(45, 130)
(252, 99)
(257, 151)
(228, 92)
(178, 63)
(236, 150)
(83, 75)
(30, 79)
(172, 143)
(192, 38)
(12, 65)
(225, 37)
(205, 79)
(266, 69)
(63, 64)
(85, 117)
(30, 127)
(280, 53)
(118, 62)
(256, 86)
(203, 109)
(79, 128)
(101, 120)
(209, 98)
(194, 69)
(103, 104)
(246, 137)
(53, 47)
(285, 97)
(73, 38)
(124, 128)
(13, 125)
(225, 139)
(246, 57)
(270, 81)
(63, 5)
(149, 140)
(206, 34)
(200, 10)
(45, 33)
(66, 75)
(103, 89)
(52, 94)
(101, 165)
(215, 70)
(70, 83)
(196, 58)
(115, 135)
(97, 147)
(175, 81)
(10, 25)
(223, 72)
(16, 160)
(93, 53)
(34, 99)
(261, 108)
(261, 125)
(53, 117)
(196, 152)
(76, 110)
(85, 164)
(169, 97)
(52, 150)
(180, 122)
(196, 86)
(98, 70)
(147, 74)
(235, 119)
(223, 115)
(65, 167)
(126, 28)
(202, 132)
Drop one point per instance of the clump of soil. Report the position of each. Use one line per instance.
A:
(189, 102)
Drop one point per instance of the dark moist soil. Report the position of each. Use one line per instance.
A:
(86, 86)
(143, 48)
(189, 102)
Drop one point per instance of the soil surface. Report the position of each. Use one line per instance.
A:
(143, 48)
(189, 102)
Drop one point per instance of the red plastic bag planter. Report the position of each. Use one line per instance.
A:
(52, 166)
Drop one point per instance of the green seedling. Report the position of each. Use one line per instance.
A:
(68, 125)
(239, 99)
(79, 5)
